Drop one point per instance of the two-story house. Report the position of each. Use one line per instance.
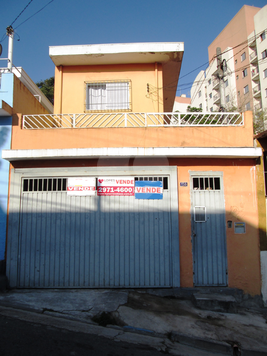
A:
(115, 190)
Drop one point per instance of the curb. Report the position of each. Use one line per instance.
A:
(203, 344)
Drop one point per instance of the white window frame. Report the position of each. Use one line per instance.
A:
(108, 95)
(244, 73)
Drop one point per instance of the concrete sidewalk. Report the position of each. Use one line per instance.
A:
(158, 318)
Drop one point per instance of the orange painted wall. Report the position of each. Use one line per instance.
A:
(221, 136)
(243, 251)
(23, 100)
(70, 85)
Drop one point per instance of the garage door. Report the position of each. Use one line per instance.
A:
(93, 241)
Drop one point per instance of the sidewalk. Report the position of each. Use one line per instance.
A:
(169, 324)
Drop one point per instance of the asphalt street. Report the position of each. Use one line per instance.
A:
(21, 338)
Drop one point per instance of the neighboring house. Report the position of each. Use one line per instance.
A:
(245, 54)
(18, 95)
(115, 190)
(181, 103)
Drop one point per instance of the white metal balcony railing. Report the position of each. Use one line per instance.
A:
(130, 119)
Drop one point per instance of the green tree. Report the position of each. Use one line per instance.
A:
(259, 119)
(193, 109)
(47, 87)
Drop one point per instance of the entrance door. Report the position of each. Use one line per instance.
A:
(208, 229)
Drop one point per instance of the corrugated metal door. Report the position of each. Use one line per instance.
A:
(91, 241)
(208, 229)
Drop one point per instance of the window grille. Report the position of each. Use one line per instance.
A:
(206, 183)
(44, 185)
(108, 96)
(165, 180)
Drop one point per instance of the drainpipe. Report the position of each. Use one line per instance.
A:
(10, 34)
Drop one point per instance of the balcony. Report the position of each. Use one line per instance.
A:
(216, 99)
(129, 120)
(121, 130)
(253, 57)
(258, 107)
(252, 42)
(215, 84)
(257, 91)
(255, 74)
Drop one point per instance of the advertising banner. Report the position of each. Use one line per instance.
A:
(81, 186)
(148, 190)
(115, 186)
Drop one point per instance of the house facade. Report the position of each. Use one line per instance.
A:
(114, 190)
(18, 94)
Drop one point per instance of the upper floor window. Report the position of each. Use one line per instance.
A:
(262, 36)
(210, 95)
(265, 73)
(237, 77)
(209, 81)
(226, 83)
(266, 92)
(264, 54)
(243, 56)
(227, 98)
(247, 106)
(200, 106)
(199, 94)
(211, 109)
(246, 90)
(244, 73)
(108, 95)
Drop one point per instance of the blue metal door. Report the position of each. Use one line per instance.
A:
(208, 229)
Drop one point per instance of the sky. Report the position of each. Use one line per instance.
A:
(45, 23)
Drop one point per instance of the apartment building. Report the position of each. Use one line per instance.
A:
(241, 83)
